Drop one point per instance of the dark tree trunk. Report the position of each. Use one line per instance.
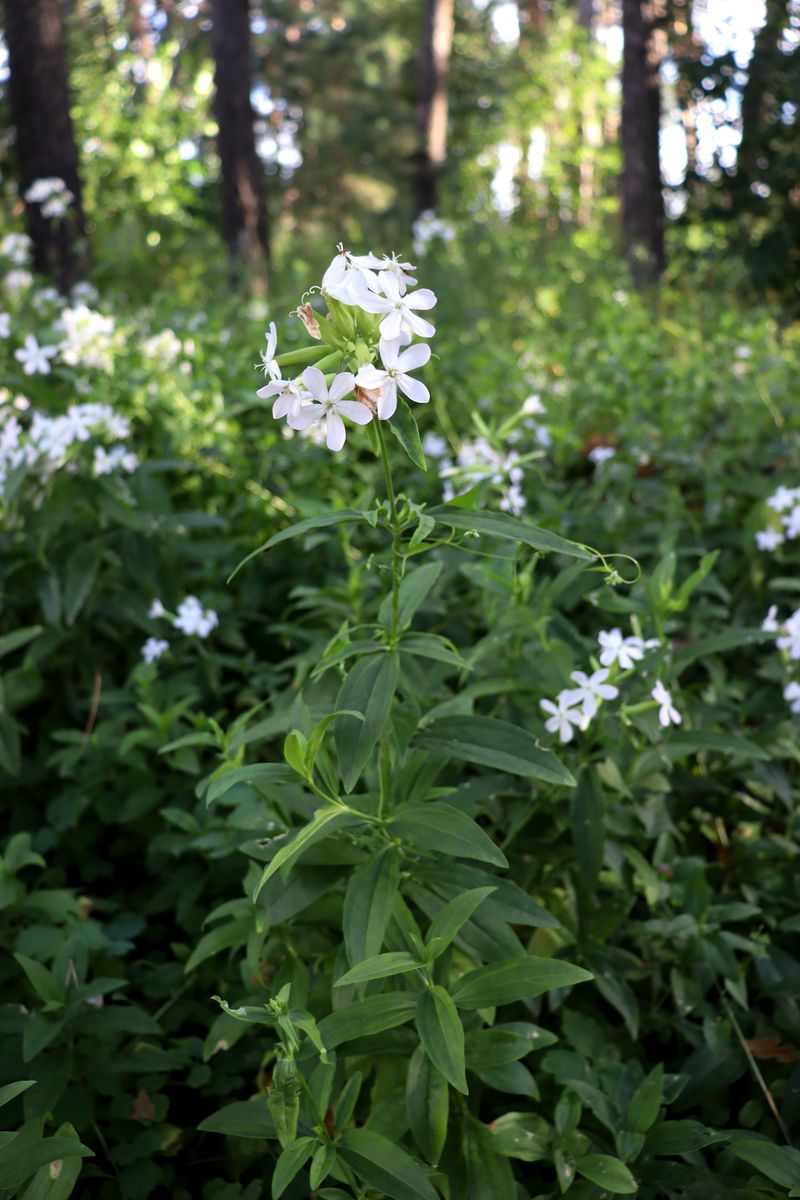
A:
(533, 15)
(434, 64)
(245, 225)
(141, 30)
(756, 97)
(586, 14)
(642, 199)
(45, 142)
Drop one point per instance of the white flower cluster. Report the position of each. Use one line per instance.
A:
(191, 619)
(427, 227)
(574, 708)
(788, 641)
(45, 444)
(478, 461)
(786, 503)
(359, 289)
(164, 348)
(88, 338)
(16, 247)
(52, 195)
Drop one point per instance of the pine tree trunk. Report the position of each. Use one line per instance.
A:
(45, 141)
(245, 225)
(434, 64)
(642, 199)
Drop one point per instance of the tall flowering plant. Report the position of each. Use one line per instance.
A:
(381, 936)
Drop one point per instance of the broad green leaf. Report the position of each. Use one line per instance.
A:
(515, 979)
(428, 1105)
(369, 689)
(79, 576)
(681, 1137)
(222, 937)
(608, 1173)
(291, 1161)
(322, 1164)
(588, 832)
(368, 905)
(447, 922)
(346, 1103)
(442, 1035)
(489, 1173)
(444, 829)
(20, 637)
(43, 982)
(245, 1119)
(18, 1165)
(363, 1018)
(492, 743)
(320, 729)
(256, 774)
(384, 1166)
(323, 823)
(381, 966)
(11, 1090)
(438, 649)
(413, 590)
(724, 743)
(718, 643)
(56, 1180)
(307, 525)
(645, 1102)
(781, 1164)
(501, 525)
(525, 1136)
(403, 426)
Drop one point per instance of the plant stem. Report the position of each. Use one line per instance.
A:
(397, 554)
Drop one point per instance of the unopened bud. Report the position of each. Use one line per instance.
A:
(306, 314)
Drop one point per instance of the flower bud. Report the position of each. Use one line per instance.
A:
(306, 314)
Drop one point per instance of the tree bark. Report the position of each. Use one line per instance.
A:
(642, 198)
(434, 65)
(586, 14)
(245, 225)
(45, 141)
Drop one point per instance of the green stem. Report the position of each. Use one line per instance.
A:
(397, 553)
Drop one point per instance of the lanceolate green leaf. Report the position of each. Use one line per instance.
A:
(413, 590)
(501, 525)
(492, 743)
(384, 1166)
(404, 427)
(363, 1018)
(368, 905)
(12, 641)
(427, 1104)
(608, 1173)
(324, 822)
(444, 829)
(257, 774)
(515, 979)
(11, 1090)
(447, 922)
(442, 1035)
(307, 525)
(368, 689)
(290, 1163)
(382, 966)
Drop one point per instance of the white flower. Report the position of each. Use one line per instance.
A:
(590, 689)
(601, 454)
(5, 325)
(770, 624)
(434, 445)
(52, 194)
(564, 717)
(88, 338)
(790, 638)
(156, 610)
(513, 501)
(427, 227)
(368, 264)
(268, 364)
(533, 407)
(401, 309)
(329, 406)
(769, 539)
(35, 359)
(623, 650)
(543, 436)
(154, 648)
(791, 523)
(18, 281)
(193, 618)
(348, 280)
(16, 247)
(290, 397)
(791, 693)
(395, 375)
(783, 498)
(667, 712)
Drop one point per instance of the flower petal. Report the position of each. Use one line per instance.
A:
(315, 382)
(335, 433)
(309, 414)
(354, 411)
(391, 325)
(387, 402)
(414, 357)
(418, 325)
(413, 388)
(423, 298)
(343, 383)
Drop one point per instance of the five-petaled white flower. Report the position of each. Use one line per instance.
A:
(290, 397)
(154, 648)
(783, 498)
(791, 523)
(564, 717)
(401, 309)
(769, 539)
(268, 364)
(348, 278)
(35, 359)
(623, 650)
(790, 637)
(391, 263)
(667, 712)
(330, 406)
(590, 689)
(791, 693)
(193, 618)
(395, 375)
(156, 610)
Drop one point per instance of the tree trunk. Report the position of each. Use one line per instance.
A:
(45, 142)
(141, 30)
(245, 225)
(642, 199)
(434, 64)
(586, 14)
(756, 95)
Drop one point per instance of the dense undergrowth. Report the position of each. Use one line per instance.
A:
(136, 824)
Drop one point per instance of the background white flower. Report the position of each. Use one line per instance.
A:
(615, 648)
(154, 648)
(564, 718)
(35, 359)
(193, 618)
(667, 712)
(591, 689)
(769, 539)
(792, 693)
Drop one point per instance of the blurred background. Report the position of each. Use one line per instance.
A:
(200, 135)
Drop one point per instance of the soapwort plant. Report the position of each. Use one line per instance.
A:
(387, 946)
